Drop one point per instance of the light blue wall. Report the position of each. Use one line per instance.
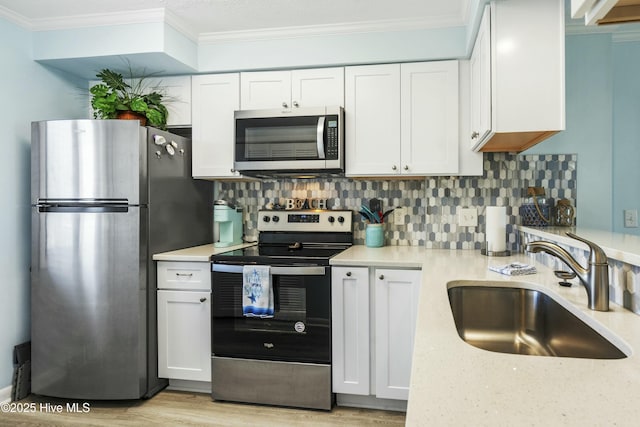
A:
(326, 50)
(29, 92)
(626, 133)
(589, 127)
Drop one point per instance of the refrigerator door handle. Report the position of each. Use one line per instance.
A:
(81, 208)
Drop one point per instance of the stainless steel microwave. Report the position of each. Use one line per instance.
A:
(300, 142)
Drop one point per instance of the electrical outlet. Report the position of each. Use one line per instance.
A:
(468, 217)
(631, 218)
(398, 216)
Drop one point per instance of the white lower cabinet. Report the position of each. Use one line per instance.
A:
(350, 329)
(184, 321)
(373, 325)
(396, 302)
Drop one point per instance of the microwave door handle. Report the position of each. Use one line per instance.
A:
(320, 137)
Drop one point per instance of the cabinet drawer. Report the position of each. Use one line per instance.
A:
(184, 275)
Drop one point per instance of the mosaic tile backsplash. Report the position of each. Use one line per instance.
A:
(433, 203)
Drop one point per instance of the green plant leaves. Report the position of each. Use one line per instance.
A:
(114, 94)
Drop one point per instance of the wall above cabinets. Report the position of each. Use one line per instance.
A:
(517, 75)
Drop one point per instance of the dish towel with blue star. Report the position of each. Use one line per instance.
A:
(257, 293)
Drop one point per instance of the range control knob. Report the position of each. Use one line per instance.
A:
(340, 219)
(331, 219)
(266, 219)
(275, 218)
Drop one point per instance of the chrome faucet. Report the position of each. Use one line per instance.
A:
(595, 277)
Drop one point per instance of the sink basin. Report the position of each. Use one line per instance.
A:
(519, 320)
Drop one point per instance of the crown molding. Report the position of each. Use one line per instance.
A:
(99, 20)
(330, 29)
(14, 17)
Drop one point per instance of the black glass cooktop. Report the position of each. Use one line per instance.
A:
(295, 253)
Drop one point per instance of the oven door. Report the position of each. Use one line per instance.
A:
(300, 329)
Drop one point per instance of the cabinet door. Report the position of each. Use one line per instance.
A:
(317, 87)
(265, 89)
(429, 112)
(372, 120)
(184, 335)
(396, 299)
(177, 91)
(215, 98)
(350, 330)
(480, 85)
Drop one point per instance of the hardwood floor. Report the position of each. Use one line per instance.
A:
(177, 408)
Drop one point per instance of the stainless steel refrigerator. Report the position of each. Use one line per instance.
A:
(106, 195)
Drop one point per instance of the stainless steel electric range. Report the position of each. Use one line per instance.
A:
(284, 359)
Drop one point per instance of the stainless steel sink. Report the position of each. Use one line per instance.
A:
(518, 320)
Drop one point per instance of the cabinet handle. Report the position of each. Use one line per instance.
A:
(381, 277)
(203, 299)
(184, 274)
(394, 167)
(406, 167)
(474, 135)
(295, 104)
(348, 274)
(285, 105)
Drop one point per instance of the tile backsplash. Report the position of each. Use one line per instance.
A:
(433, 203)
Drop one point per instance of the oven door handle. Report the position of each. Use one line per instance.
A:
(275, 271)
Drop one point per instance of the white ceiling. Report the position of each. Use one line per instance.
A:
(216, 16)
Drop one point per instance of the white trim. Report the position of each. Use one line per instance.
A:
(331, 29)
(5, 394)
(99, 19)
(14, 17)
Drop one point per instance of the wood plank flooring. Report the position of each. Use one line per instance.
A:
(175, 408)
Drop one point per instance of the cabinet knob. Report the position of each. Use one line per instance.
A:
(295, 104)
(394, 167)
(406, 167)
(203, 299)
(348, 274)
(285, 105)
(474, 135)
(232, 170)
(381, 277)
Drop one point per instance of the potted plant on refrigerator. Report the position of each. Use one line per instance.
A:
(115, 98)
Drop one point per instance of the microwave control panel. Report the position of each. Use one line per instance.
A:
(332, 138)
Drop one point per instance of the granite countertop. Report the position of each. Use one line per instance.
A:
(196, 253)
(454, 383)
(619, 246)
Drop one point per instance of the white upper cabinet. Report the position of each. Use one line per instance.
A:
(480, 85)
(525, 50)
(429, 117)
(215, 98)
(177, 98)
(402, 119)
(372, 120)
(317, 87)
(292, 89)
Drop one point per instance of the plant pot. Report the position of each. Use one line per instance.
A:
(132, 115)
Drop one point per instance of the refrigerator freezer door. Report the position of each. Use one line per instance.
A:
(88, 160)
(88, 299)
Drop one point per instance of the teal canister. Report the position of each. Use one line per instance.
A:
(374, 236)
